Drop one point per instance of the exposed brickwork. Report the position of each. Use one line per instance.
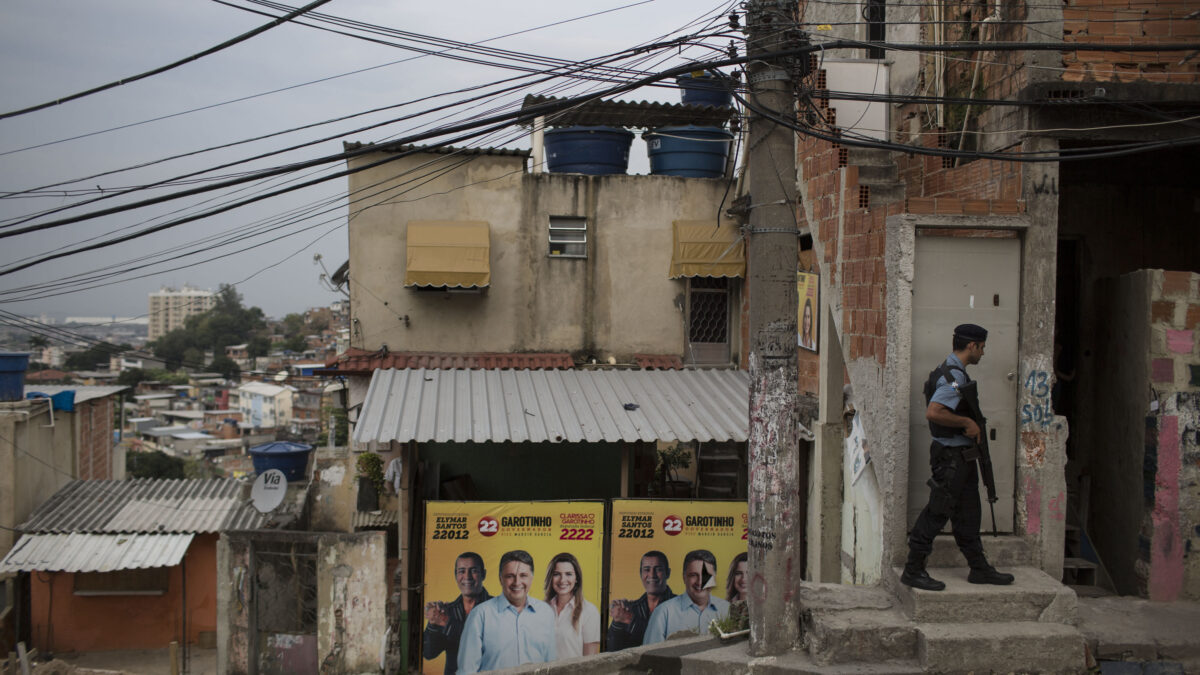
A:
(1177, 284)
(1162, 311)
(1130, 22)
(95, 438)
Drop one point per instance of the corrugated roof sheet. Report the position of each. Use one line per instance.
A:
(641, 114)
(363, 362)
(95, 552)
(366, 519)
(555, 406)
(439, 149)
(145, 505)
(82, 393)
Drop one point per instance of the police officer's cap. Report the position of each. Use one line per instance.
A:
(970, 332)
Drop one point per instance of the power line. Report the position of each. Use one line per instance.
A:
(170, 66)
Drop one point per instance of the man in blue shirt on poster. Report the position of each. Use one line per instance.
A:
(512, 628)
(694, 609)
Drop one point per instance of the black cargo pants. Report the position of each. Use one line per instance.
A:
(953, 496)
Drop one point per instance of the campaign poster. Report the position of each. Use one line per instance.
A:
(489, 530)
(674, 528)
(808, 290)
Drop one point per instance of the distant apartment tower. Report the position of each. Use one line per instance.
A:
(169, 308)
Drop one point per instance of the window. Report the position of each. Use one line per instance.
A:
(708, 320)
(152, 581)
(874, 13)
(568, 237)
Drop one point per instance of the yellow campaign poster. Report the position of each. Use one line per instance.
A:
(808, 289)
(645, 531)
(464, 542)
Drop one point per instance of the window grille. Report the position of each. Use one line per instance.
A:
(568, 237)
(709, 319)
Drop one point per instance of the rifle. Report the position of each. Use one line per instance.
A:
(970, 394)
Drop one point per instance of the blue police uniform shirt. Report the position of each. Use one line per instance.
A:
(680, 613)
(948, 396)
(497, 636)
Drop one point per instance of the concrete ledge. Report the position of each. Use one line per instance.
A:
(1002, 551)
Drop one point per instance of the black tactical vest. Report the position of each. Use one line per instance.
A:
(938, 373)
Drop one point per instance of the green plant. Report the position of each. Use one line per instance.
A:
(738, 619)
(370, 466)
(671, 459)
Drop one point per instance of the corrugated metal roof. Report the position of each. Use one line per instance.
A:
(95, 552)
(82, 393)
(365, 519)
(438, 149)
(553, 406)
(361, 361)
(147, 505)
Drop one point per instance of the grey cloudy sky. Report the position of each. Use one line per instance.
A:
(53, 48)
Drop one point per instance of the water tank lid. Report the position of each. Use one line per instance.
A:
(280, 448)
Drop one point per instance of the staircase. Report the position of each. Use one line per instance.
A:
(1025, 627)
(720, 472)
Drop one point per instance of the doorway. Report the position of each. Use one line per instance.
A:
(967, 279)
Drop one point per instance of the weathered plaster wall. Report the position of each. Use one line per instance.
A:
(618, 301)
(36, 459)
(63, 621)
(234, 617)
(1169, 565)
(352, 591)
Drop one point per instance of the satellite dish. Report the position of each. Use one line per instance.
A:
(268, 491)
(281, 376)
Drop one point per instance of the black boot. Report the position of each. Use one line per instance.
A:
(915, 575)
(989, 575)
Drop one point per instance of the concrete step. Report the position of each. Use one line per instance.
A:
(860, 636)
(1025, 646)
(888, 193)
(861, 157)
(877, 174)
(1033, 596)
(1002, 551)
(735, 658)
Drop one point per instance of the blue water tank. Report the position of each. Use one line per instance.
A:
(706, 89)
(690, 151)
(289, 457)
(12, 375)
(596, 151)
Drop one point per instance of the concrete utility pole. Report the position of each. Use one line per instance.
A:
(776, 508)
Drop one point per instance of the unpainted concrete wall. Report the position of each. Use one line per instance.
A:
(36, 459)
(618, 301)
(353, 593)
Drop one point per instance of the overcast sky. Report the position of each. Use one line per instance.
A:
(54, 48)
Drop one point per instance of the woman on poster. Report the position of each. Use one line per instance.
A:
(735, 582)
(807, 339)
(577, 627)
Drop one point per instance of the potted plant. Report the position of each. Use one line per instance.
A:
(670, 460)
(370, 480)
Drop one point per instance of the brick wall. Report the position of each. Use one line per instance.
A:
(1125, 22)
(95, 438)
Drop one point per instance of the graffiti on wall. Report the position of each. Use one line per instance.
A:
(1038, 413)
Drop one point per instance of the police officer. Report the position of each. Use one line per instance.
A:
(954, 486)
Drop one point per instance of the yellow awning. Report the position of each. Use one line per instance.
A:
(448, 253)
(703, 249)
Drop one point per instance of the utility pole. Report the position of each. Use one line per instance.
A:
(776, 504)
